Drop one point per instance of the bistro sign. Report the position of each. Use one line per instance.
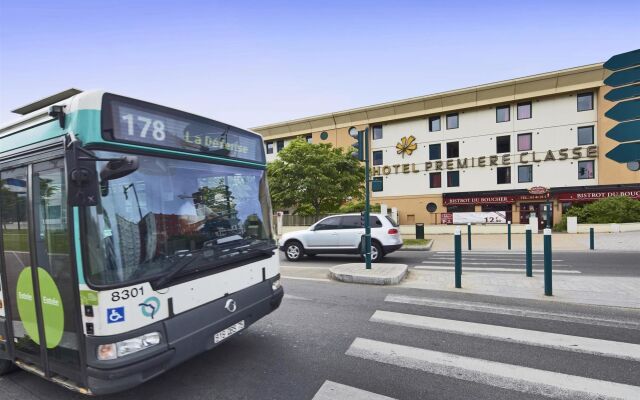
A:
(590, 196)
(524, 157)
(453, 201)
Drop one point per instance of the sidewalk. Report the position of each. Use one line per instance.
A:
(593, 290)
(626, 241)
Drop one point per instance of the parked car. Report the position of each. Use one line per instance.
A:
(342, 234)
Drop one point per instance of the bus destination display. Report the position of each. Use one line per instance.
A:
(181, 131)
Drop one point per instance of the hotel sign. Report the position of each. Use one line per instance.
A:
(525, 157)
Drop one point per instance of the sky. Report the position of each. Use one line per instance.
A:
(254, 63)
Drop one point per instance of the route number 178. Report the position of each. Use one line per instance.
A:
(144, 125)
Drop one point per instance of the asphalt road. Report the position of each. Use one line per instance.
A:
(324, 333)
(588, 263)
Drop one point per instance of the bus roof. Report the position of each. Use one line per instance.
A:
(82, 109)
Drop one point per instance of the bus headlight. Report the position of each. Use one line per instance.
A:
(275, 285)
(112, 351)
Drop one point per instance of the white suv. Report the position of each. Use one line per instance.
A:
(342, 234)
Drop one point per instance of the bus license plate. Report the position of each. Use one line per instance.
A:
(222, 335)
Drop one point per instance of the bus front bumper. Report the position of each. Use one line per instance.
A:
(186, 335)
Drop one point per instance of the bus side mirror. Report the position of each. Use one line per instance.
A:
(119, 168)
(82, 176)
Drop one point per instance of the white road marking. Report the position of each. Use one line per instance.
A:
(599, 347)
(336, 391)
(292, 297)
(489, 269)
(305, 279)
(480, 252)
(514, 311)
(490, 263)
(506, 376)
(490, 259)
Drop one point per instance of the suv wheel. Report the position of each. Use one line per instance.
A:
(376, 252)
(293, 250)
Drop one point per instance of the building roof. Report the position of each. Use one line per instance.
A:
(546, 84)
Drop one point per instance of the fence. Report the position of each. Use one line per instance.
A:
(300, 220)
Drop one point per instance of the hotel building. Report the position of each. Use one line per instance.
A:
(510, 147)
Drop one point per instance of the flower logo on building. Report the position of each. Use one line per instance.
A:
(406, 145)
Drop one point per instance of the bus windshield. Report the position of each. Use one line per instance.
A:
(172, 212)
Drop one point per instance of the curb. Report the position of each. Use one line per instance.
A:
(384, 274)
(418, 248)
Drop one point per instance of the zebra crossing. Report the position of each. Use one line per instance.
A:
(492, 261)
(519, 377)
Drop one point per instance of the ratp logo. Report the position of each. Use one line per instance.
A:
(150, 307)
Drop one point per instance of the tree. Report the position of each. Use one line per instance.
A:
(314, 176)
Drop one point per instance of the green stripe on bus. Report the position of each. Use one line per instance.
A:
(76, 238)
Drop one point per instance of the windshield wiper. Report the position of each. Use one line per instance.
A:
(181, 265)
(227, 252)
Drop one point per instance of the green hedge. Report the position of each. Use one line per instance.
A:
(612, 210)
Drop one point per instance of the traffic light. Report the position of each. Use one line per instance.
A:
(359, 145)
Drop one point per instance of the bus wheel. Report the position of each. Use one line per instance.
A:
(6, 366)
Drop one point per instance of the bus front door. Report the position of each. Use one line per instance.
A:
(42, 313)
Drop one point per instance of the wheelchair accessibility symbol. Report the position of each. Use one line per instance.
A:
(115, 315)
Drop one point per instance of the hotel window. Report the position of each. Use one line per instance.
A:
(269, 147)
(377, 185)
(453, 150)
(377, 157)
(585, 135)
(434, 152)
(586, 169)
(279, 145)
(503, 113)
(524, 110)
(434, 124)
(453, 178)
(309, 138)
(452, 121)
(377, 132)
(504, 175)
(435, 180)
(524, 141)
(503, 144)
(525, 173)
(585, 101)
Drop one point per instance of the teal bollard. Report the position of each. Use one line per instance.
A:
(548, 289)
(469, 235)
(592, 244)
(457, 244)
(529, 256)
(509, 235)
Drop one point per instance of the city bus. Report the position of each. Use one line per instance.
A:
(133, 237)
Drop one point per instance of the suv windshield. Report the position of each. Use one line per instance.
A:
(150, 220)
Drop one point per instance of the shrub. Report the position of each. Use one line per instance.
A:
(606, 211)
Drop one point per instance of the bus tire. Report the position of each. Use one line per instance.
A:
(293, 250)
(6, 367)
